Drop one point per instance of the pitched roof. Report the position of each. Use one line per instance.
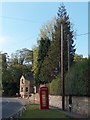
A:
(29, 77)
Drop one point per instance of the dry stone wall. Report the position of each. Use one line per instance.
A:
(80, 105)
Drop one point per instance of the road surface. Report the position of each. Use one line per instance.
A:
(10, 106)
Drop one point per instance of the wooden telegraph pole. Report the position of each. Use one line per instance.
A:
(62, 68)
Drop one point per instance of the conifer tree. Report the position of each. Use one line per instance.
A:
(68, 34)
(42, 53)
(49, 67)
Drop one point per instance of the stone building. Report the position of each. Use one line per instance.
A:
(26, 85)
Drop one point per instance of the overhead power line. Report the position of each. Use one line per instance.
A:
(28, 20)
(82, 34)
(20, 19)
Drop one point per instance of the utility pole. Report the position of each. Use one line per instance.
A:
(62, 68)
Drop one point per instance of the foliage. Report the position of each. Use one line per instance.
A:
(54, 87)
(77, 80)
(68, 36)
(13, 68)
(78, 57)
(48, 29)
(49, 55)
(35, 61)
(42, 53)
(22, 56)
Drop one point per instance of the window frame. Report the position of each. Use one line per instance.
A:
(27, 89)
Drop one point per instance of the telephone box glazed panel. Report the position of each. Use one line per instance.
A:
(44, 101)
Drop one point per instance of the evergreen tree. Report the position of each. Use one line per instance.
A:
(68, 34)
(51, 64)
(49, 53)
(42, 53)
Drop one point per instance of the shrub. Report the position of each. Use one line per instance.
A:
(76, 80)
(54, 87)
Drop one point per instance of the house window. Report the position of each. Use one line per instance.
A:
(22, 81)
(26, 89)
(21, 89)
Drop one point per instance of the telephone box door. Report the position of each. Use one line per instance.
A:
(44, 101)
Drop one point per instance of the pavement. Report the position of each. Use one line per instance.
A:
(74, 115)
(71, 114)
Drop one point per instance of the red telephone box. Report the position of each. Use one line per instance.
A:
(44, 100)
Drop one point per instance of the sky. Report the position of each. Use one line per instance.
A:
(20, 23)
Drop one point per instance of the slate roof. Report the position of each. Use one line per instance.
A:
(29, 77)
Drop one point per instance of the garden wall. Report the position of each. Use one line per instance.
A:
(80, 105)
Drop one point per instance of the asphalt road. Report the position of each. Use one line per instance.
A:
(10, 106)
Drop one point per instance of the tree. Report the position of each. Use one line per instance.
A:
(22, 56)
(42, 53)
(35, 61)
(68, 34)
(54, 87)
(78, 57)
(51, 61)
(12, 68)
(77, 79)
(47, 29)
(4, 72)
(0, 73)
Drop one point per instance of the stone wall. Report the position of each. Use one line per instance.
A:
(34, 98)
(55, 101)
(80, 105)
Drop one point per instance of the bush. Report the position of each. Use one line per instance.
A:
(76, 81)
(54, 87)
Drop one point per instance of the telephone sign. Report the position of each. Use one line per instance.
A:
(44, 101)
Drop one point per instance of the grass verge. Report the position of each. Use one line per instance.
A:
(34, 112)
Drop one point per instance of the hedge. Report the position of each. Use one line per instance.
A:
(54, 87)
(77, 79)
